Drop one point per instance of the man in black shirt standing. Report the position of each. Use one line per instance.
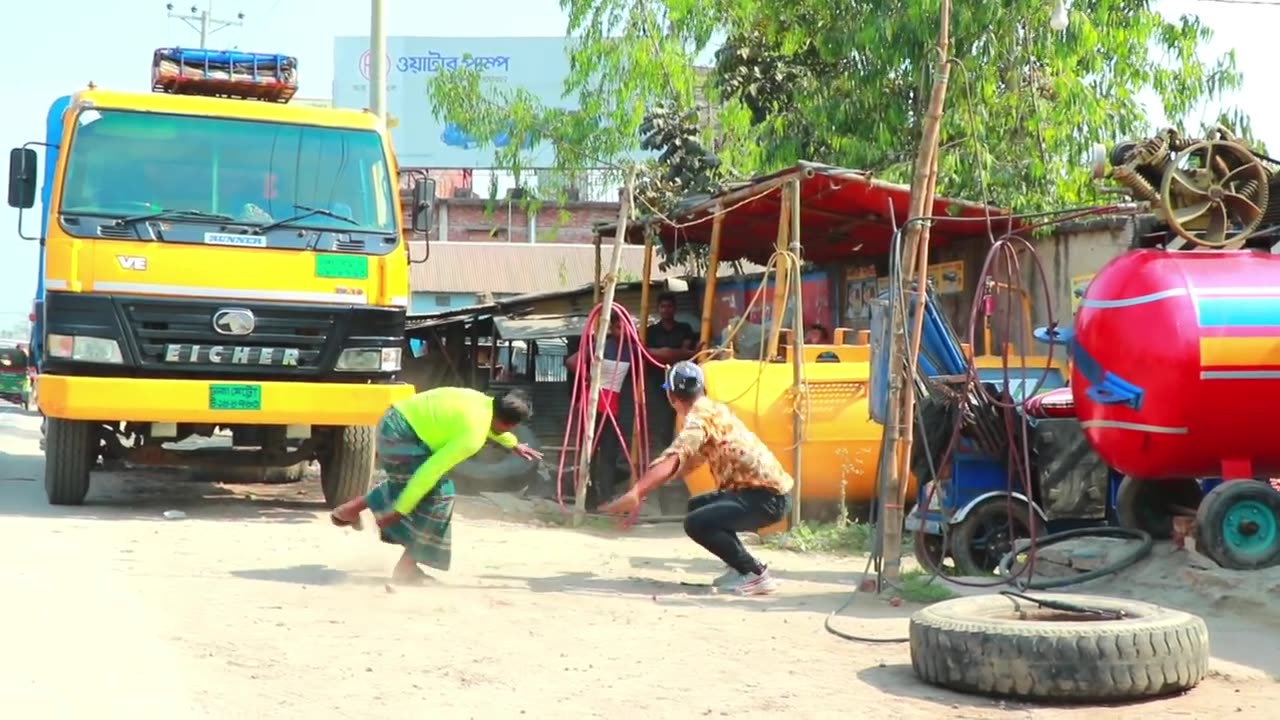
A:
(669, 341)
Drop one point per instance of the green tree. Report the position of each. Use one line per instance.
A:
(846, 84)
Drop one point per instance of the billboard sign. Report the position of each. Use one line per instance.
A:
(538, 65)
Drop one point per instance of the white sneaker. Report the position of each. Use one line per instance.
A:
(761, 583)
(730, 578)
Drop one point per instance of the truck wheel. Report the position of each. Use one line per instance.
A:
(988, 533)
(1148, 505)
(71, 451)
(1010, 647)
(930, 552)
(1238, 525)
(347, 466)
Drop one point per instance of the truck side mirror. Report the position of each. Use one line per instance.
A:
(424, 201)
(22, 178)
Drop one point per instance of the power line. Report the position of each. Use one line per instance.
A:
(203, 22)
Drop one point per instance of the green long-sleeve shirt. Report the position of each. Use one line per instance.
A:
(455, 423)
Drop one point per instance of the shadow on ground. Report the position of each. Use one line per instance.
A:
(700, 568)
(149, 494)
(695, 593)
(308, 575)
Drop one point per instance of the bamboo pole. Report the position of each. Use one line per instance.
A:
(595, 289)
(646, 299)
(782, 275)
(713, 274)
(597, 355)
(916, 248)
(797, 352)
(646, 294)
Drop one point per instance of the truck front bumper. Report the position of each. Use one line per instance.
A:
(191, 401)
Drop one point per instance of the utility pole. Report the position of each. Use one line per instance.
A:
(203, 22)
(377, 59)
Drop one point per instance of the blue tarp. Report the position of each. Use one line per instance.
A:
(940, 352)
(265, 61)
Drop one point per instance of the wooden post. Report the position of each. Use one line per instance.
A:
(915, 251)
(595, 293)
(713, 274)
(782, 276)
(797, 352)
(646, 298)
(597, 358)
(646, 294)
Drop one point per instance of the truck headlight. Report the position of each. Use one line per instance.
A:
(369, 360)
(85, 349)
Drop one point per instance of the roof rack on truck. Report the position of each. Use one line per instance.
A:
(225, 74)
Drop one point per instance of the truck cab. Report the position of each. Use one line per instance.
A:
(216, 263)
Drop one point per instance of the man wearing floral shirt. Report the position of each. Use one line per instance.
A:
(752, 488)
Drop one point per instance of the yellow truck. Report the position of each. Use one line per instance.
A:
(216, 262)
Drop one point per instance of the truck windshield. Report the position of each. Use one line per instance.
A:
(125, 164)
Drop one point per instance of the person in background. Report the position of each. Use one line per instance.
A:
(669, 341)
(608, 463)
(419, 440)
(817, 334)
(753, 488)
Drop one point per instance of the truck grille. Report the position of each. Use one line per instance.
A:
(180, 336)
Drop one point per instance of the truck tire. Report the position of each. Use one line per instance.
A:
(1148, 505)
(347, 466)
(71, 450)
(1238, 525)
(1009, 647)
(988, 533)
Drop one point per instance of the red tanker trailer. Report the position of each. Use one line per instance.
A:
(1176, 374)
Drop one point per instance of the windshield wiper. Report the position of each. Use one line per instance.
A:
(307, 211)
(173, 215)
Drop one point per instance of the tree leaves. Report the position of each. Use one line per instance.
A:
(846, 84)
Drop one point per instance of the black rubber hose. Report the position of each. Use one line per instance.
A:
(1143, 549)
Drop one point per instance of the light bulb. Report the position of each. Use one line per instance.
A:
(1058, 20)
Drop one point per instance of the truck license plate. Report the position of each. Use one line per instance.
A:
(235, 397)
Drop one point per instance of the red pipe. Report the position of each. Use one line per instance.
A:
(631, 351)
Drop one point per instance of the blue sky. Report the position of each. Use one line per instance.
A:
(119, 37)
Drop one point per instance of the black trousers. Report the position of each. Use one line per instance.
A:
(716, 518)
(609, 469)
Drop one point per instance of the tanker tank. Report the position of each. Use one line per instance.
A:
(1176, 363)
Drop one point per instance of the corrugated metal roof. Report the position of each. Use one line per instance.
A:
(520, 268)
(539, 327)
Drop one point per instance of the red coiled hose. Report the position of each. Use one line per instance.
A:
(631, 351)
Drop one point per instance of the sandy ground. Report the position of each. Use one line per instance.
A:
(252, 605)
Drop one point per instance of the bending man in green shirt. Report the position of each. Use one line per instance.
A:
(420, 440)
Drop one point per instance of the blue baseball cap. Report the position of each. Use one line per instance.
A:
(685, 377)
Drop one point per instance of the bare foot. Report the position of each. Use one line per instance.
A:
(410, 575)
(354, 521)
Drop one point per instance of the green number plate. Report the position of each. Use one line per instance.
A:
(342, 267)
(235, 397)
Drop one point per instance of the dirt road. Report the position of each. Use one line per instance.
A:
(252, 605)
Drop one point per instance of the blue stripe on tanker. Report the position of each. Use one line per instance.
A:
(1238, 311)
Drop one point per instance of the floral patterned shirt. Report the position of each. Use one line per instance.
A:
(738, 459)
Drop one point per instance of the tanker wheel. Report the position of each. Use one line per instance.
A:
(1238, 525)
(987, 534)
(1151, 505)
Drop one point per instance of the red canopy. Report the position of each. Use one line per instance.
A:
(843, 214)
